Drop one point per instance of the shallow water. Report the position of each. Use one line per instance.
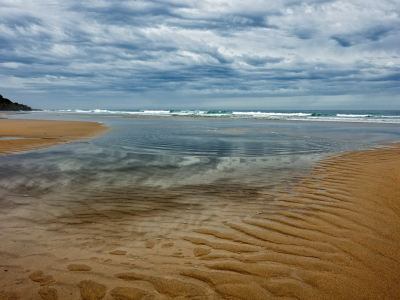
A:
(160, 153)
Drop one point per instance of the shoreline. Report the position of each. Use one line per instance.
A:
(260, 119)
(22, 135)
(346, 116)
(333, 235)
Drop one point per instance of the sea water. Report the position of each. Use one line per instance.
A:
(365, 116)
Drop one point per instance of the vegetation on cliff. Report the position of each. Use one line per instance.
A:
(6, 104)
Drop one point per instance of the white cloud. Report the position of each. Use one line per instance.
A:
(256, 48)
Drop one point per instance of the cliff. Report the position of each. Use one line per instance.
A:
(6, 104)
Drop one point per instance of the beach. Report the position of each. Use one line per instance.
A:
(199, 150)
(24, 135)
(310, 218)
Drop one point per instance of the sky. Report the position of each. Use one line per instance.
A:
(210, 54)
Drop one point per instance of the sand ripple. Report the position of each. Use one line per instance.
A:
(332, 234)
(335, 236)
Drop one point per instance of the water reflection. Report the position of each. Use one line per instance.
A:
(164, 153)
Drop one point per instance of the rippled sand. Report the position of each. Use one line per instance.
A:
(36, 134)
(334, 234)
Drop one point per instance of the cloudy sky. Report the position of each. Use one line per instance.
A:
(226, 54)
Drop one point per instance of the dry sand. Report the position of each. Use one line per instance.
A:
(333, 235)
(36, 134)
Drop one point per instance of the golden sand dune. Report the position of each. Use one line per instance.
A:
(335, 235)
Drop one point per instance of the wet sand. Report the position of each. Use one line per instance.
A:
(36, 134)
(332, 234)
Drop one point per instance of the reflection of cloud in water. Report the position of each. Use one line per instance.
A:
(166, 152)
(87, 166)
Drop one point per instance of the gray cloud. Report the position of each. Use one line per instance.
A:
(256, 60)
(207, 49)
(366, 35)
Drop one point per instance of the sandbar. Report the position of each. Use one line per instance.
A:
(21, 135)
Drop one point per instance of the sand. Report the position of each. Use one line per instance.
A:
(36, 134)
(333, 234)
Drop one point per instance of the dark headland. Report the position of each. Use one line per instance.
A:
(8, 105)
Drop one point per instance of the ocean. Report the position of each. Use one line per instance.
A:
(371, 116)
